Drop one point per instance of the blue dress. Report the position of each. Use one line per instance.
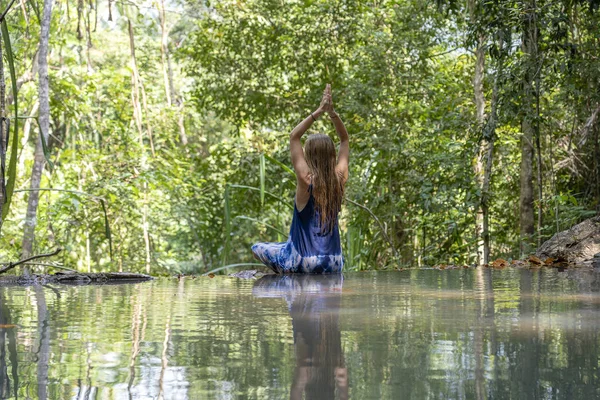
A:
(307, 250)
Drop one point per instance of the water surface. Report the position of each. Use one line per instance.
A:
(417, 334)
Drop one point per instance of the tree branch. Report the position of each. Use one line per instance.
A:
(7, 10)
(12, 265)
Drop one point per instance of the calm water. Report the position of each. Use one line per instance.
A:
(422, 334)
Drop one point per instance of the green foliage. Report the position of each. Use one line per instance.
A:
(14, 143)
(244, 73)
(403, 85)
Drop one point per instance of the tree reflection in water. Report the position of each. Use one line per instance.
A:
(8, 343)
(314, 305)
(43, 353)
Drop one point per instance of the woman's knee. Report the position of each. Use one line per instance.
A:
(255, 251)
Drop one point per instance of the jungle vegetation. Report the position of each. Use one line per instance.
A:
(153, 136)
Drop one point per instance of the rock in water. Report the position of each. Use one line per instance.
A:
(248, 274)
(578, 244)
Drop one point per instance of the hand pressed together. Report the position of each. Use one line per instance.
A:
(327, 101)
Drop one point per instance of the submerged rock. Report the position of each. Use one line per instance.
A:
(579, 244)
(248, 274)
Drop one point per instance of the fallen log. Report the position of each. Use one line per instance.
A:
(579, 244)
(76, 278)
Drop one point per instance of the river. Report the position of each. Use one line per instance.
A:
(416, 334)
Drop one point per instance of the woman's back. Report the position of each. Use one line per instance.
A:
(319, 247)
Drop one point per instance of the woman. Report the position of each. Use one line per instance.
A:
(313, 245)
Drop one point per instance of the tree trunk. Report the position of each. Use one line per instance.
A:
(596, 153)
(181, 124)
(148, 126)
(528, 127)
(170, 92)
(135, 90)
(146, 228)
(164, 53)
(44, 120)
(489, 138)
(480, 116)
(485, 195)
(39, 161)
(3, 137)
(138, 87)
(79, 16)
(137, 111)
(526, 192)
(26, 132)
(538, 147)
(88, 39)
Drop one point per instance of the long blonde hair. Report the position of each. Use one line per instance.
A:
(328, 188)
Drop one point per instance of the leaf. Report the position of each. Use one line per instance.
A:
(211, 275)
(262, 179)
(107, 228)
(12, 164)
(282, 165)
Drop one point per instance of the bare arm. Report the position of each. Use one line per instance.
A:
(297, 153)
(344, 152)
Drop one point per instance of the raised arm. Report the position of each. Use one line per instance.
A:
(297, 153)
(298, 161)
(344, 152)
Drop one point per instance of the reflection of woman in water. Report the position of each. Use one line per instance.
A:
(313, 245)
(314, 304)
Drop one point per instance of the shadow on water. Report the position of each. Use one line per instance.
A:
(314, 305)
